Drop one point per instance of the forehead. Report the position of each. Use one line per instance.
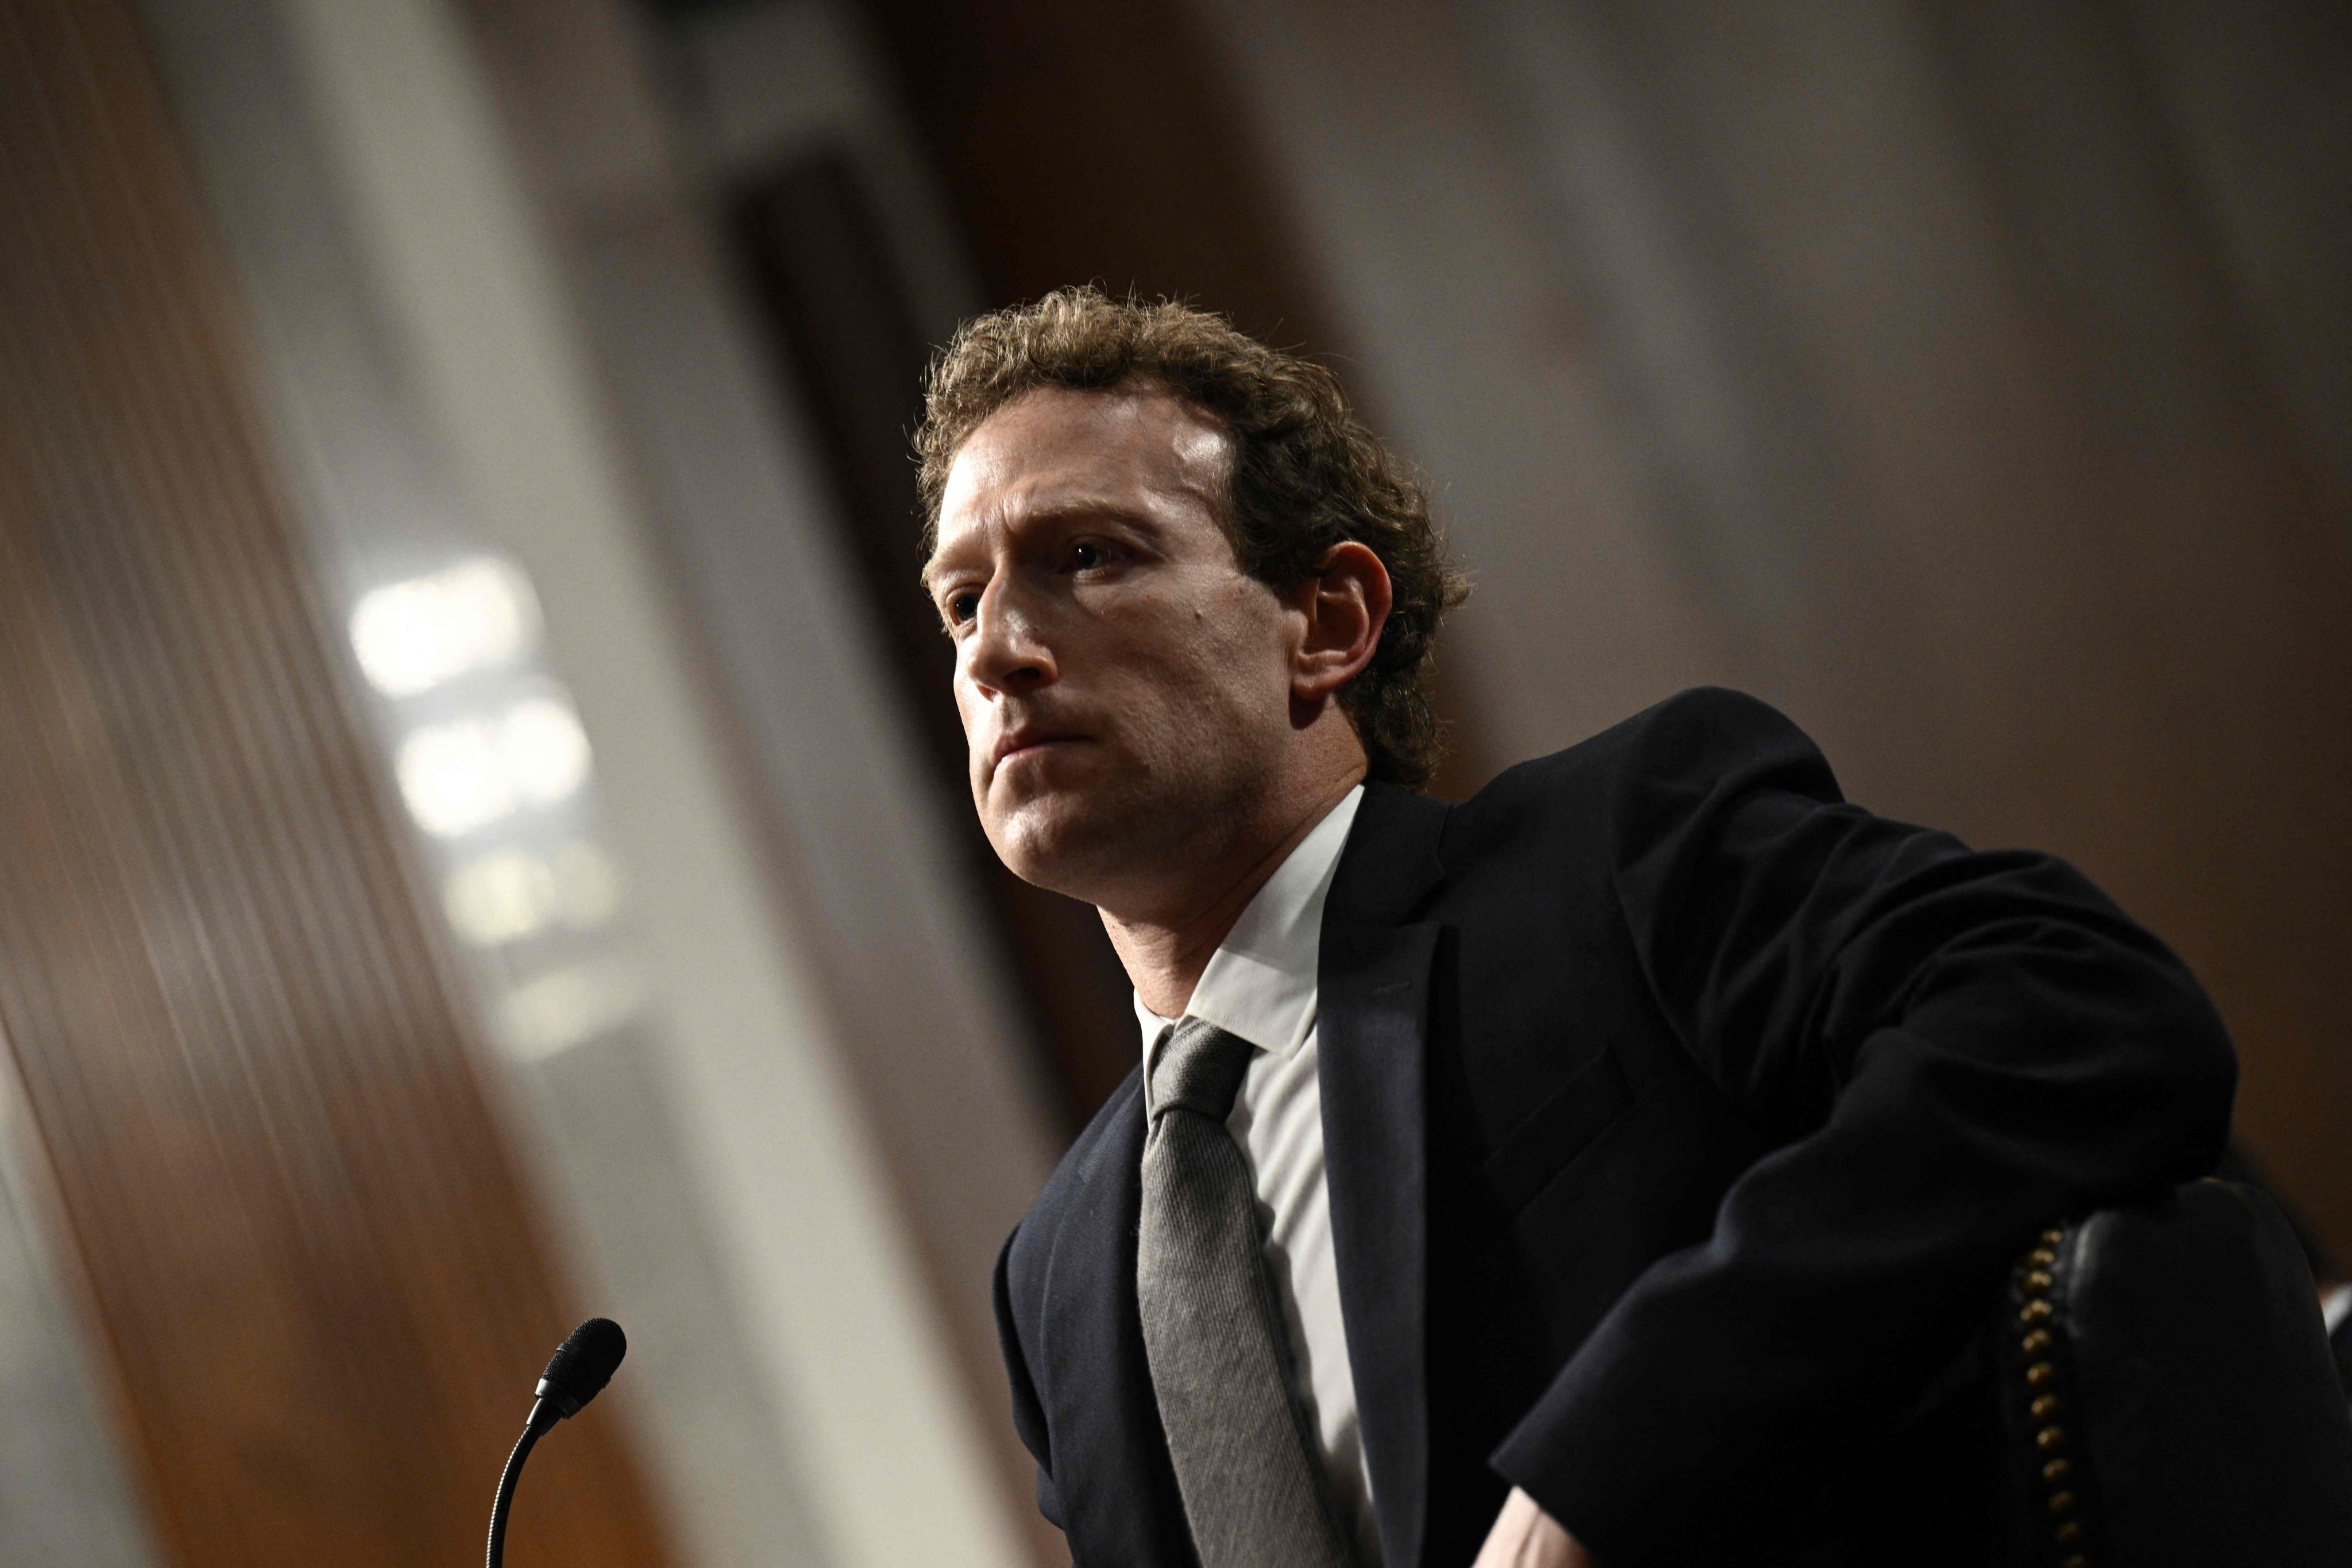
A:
(1133, 451)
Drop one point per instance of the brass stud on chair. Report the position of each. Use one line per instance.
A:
(2035, 1281)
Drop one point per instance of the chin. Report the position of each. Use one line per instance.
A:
(1066, 843)
(1047, 846)
(1101, 821)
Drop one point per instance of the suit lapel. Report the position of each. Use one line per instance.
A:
(1109, 1452)
(1372, 1045)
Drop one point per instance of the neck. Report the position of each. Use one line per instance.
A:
(1164, 952)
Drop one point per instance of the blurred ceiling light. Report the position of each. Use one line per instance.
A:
(415, 634)
(543, 750)
(459, 777)
(450, 777)
(509, 894)
(501, 897)
(558, 1011)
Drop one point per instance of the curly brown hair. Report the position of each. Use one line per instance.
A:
(1307, 474)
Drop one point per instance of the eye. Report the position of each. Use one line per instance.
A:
(1086, 555)
(961, 605)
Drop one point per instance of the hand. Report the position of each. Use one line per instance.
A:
(1524, 1536)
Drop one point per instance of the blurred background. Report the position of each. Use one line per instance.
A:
(482, 829)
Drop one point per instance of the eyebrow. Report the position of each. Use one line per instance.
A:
(933, 569)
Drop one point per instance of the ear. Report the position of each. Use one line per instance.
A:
(1345, 604)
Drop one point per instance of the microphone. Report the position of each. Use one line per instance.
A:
(583, 1364)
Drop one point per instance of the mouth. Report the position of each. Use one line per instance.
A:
(1021, 743)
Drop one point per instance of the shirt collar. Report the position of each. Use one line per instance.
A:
(1260, 984)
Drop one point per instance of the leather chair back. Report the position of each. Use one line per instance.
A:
(2168, 1394)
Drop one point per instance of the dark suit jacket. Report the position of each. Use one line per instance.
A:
(1680, 1120)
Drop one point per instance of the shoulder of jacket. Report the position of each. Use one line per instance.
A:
(1704, 730)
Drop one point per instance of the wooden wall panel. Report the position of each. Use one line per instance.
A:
(307, 1254)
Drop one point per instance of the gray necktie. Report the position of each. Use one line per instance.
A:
(1252, 1483)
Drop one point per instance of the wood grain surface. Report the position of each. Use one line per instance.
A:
(306, 1255)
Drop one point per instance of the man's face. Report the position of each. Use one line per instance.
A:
(1125, 688)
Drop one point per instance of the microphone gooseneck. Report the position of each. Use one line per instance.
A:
(577, 1372)
(507, 1477)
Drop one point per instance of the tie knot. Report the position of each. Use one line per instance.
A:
(1200, 1067)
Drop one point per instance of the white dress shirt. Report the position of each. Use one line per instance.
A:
(1261, 986)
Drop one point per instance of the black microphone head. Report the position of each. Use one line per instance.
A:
(583, 1364)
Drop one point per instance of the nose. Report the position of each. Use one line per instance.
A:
(1006, 655)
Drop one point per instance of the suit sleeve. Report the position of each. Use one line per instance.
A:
(1946, 1049)
(1028, 1412)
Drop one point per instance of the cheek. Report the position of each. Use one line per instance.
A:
(1240, 649)
(969, 705)
(1221, 680)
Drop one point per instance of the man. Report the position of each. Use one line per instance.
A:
(1612, 1167)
